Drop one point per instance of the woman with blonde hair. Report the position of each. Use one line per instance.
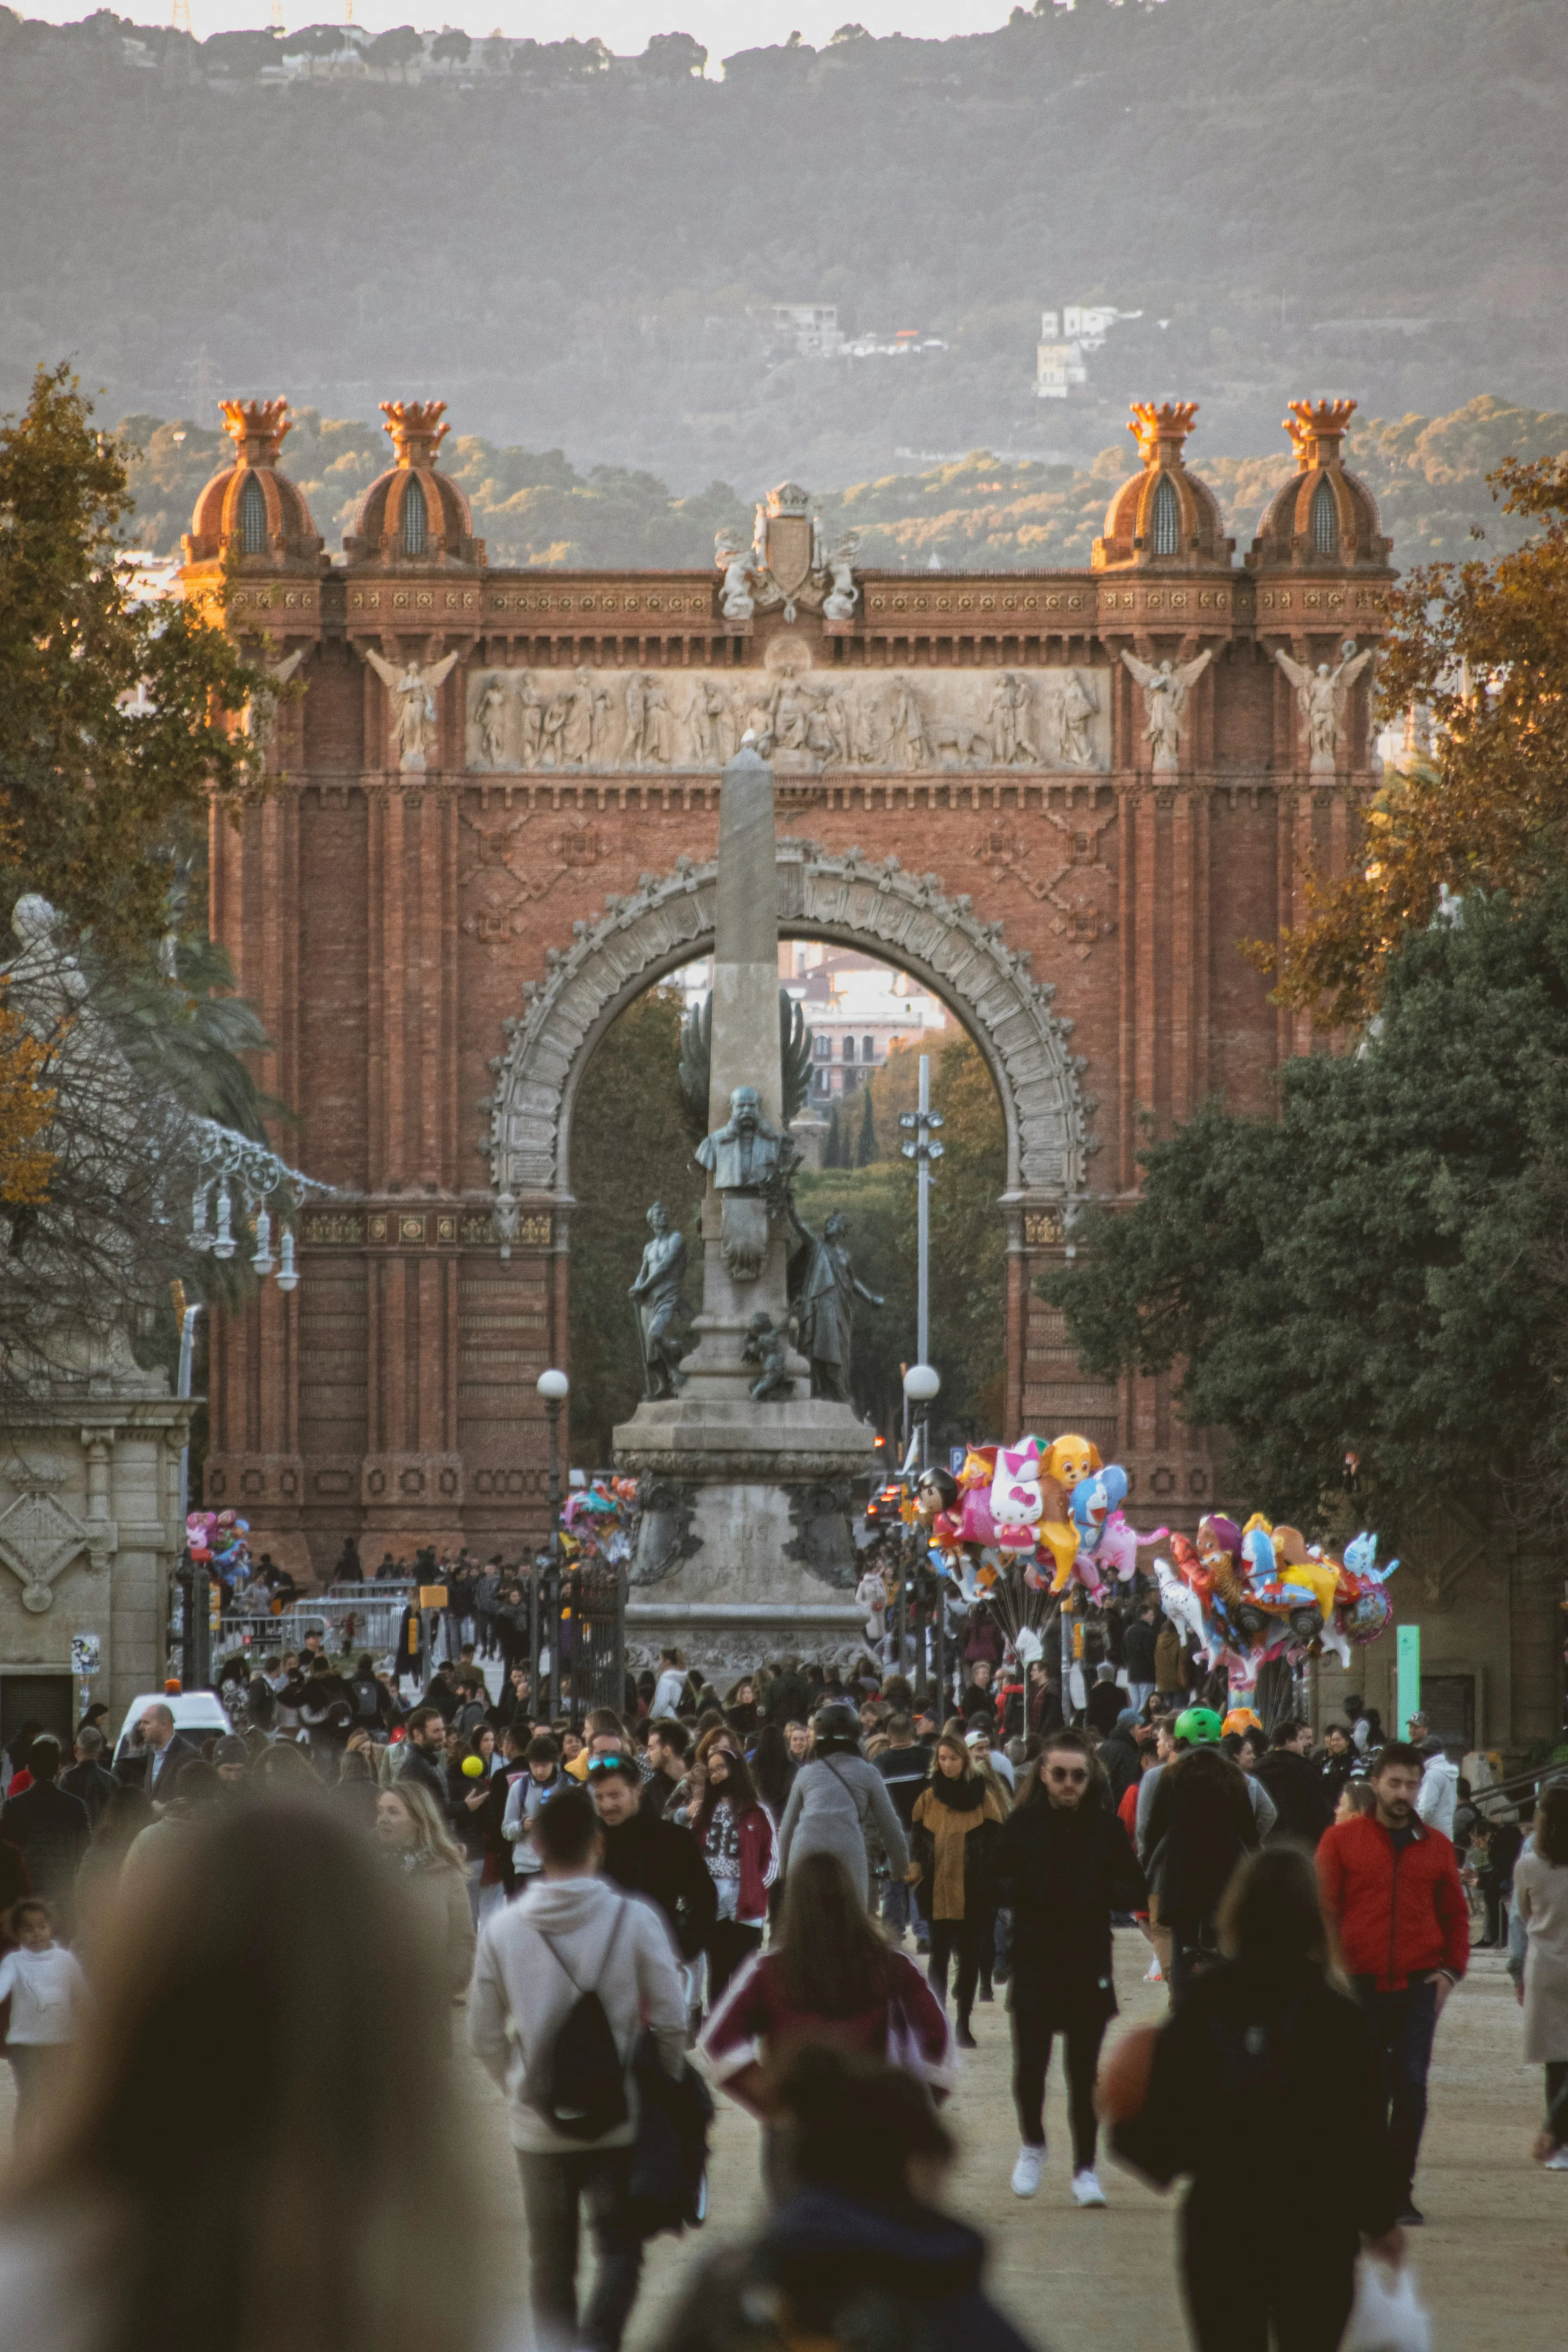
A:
(956, 1818)
(264, 1948)
(411, 1830)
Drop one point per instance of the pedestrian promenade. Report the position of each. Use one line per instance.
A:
(1492, 2261)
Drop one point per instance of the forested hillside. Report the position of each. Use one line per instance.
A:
(1299, 196)
(533, 507)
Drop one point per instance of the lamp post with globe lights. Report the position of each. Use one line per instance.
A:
(922, 1382)
(553, 1388)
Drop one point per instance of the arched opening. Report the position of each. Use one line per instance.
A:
(851, 1137)
(1325, 521)
(540, 1161)
(1167, 517)
(252, 518)
(416, 519)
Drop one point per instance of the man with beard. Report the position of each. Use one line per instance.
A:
(1063, 1863)
(650, 1856)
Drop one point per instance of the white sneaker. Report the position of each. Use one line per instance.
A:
(1086, 2188)
(1556, 2162)
(1154, 1973)
(1026, 2172)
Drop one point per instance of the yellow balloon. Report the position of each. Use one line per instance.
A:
(472, 1767)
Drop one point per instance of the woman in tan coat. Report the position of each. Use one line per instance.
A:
(956, 1817)
(409, 1825)
(1540, 1904)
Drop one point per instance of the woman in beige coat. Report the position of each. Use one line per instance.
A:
(1540, 1904)
(409, 1825)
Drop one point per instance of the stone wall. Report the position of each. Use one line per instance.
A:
(90, 1496)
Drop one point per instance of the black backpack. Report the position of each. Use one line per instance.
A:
(579, 2084)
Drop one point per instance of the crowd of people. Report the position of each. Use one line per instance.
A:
(798, 1892)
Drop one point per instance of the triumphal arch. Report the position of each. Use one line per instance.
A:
(1060, 798)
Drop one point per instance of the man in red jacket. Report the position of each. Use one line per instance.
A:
(1390, 1885)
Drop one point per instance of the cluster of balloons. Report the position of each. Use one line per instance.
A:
(1056, 1510)
(1258, 1592)
(596, 1519)
(218, 1539)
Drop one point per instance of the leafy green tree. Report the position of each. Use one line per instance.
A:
(833, 1143)
(866, 1141)
(1383, 1269)
(395, 49)
(673, 57)
(115, 714)
(629, 1148)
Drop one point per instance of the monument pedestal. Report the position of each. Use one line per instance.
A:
(744, 1547)
(744, 1544)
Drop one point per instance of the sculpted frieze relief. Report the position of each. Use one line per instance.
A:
(527, 721)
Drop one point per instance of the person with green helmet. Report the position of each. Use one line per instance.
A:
(1195, 1726)
(1201, 1825)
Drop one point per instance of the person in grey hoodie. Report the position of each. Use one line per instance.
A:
(836, 1797)
(577, 1933)
(1438, 1795)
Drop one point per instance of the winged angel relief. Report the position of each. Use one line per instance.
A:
(1320, 697)
(1165, 692)
(412, 693)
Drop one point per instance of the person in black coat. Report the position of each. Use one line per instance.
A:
(1119, 1759)
(1264, 2053)
(48, 1828)
(1064, 1863)
(425, 1752)
(1338, 1761)
(650, 1856)
(1201, 1825)
(1296, 1787)
(1106, 1700)
(87, 1777)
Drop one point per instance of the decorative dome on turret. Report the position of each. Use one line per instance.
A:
(1164, 516)
(251, 510)
(412, 514)
(1325, 520)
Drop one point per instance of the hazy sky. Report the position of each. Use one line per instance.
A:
(723, 25)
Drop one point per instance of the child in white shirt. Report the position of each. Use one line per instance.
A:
(47, 1993)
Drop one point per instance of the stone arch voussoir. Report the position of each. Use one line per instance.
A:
(906, 919)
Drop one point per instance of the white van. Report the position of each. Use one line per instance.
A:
(197, 1714)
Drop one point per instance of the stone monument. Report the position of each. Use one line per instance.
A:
(744, 1544)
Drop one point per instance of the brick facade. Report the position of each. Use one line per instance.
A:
(394, 922)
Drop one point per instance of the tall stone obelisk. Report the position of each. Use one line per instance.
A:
(744, 1542)
(739, 1229)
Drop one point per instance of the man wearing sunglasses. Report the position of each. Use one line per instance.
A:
(1064, 1863)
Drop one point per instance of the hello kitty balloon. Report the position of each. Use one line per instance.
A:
(1016, 1501)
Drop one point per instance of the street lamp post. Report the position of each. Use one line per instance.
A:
(923, 1151)
(553, 1389)
(922, 1382)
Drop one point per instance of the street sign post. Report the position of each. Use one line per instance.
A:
(1408, 1673)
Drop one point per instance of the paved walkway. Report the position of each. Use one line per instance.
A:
(1492, 2262)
